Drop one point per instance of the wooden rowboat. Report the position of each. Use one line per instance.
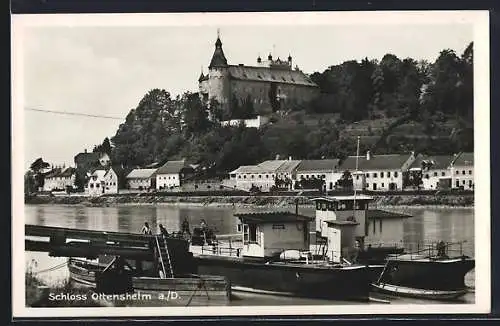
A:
(419, 293)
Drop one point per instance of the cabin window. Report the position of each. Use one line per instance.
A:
(329, 206)
(246, 235)
(380, 225)
(278, 226)
(252, 233)
(318, 205)
(239, 228)
(323, 206)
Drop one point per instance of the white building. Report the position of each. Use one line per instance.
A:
(462, 171)
(111, 182)
(102, 181)
(141, 179)
(380, 172)
(95, 185)
(172, 174)
(434, 170)
(327, 170)
(59, 179)
(265, 175)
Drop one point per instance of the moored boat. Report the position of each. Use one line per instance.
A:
(275, 258)
(431, 273)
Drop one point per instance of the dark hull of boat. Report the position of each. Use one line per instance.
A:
(419, 293)
(428, 274)
(341, 283)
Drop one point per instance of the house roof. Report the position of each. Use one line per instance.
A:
(380, 214)
(172, 167)
(99, 173)
(437, 162)
(272, 217)
(270, 166)
(141, 173)
(59, 172)
(288, 166)
(464, 159)
(68, 172)
(340, 198)
(376, 162)
(341, 223)
(268, 74)
(318, 165)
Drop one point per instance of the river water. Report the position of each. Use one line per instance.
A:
(425, 225)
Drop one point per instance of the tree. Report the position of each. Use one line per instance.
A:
(346, 182)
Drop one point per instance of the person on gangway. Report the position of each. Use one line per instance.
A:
(146, 229)
(163, 231)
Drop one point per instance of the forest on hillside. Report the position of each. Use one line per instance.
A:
(396, 104)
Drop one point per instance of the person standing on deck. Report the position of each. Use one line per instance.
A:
(163, 231)
(146, 229)
(185, 227)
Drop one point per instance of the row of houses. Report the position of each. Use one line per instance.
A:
(391, 172)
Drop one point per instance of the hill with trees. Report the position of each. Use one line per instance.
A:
(394, 105)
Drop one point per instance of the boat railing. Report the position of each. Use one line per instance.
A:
(436, 249)
(221, 251)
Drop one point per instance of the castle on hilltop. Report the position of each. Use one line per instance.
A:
(270, 85)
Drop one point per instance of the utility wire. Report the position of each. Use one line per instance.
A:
(74, 113)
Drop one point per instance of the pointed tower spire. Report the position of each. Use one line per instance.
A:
(202, 76)
(218, 59)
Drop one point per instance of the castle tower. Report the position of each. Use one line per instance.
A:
(218, 80)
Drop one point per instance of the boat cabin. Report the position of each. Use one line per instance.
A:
(340, 239)
(269, 234)
(342, 208)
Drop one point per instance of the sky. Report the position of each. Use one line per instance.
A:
(107, 69)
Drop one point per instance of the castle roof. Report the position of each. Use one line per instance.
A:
(267, 74)
(218, 59)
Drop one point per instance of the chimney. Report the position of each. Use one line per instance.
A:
(289, 158)
(85, 151)
(368, 155)
(277, 157)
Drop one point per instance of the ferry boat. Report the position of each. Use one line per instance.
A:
(276, 258)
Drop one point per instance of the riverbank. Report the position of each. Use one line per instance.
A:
(462, 200)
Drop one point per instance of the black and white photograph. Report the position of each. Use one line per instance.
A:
(222, 164)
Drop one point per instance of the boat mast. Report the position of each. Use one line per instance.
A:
(356, 171)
